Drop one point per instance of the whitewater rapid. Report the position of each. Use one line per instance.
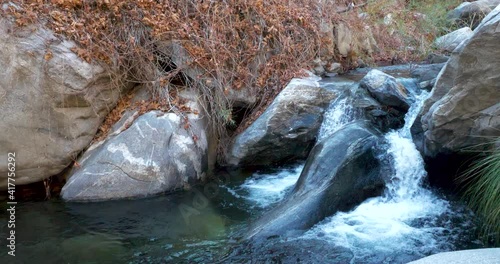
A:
(408, 219)
(265, 189)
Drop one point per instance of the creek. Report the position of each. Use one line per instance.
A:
(408, 221)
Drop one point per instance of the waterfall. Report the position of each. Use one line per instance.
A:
(265, 189)
(406, 220)
(408, 165)
(339, 113)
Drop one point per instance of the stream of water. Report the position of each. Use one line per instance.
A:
(407, 222)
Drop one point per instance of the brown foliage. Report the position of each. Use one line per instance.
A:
(233, 44)
(254, 44)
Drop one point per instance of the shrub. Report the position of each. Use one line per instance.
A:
(414, 27)
(254, 44)
(482, 191)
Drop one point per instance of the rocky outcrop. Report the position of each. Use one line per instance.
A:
(324, 63)
(464, 107)
(426, 72)
(471, 13)
(450, 41)
(341, 171)
(51, 101)
(383, 99)
(290, 124)
(386, 90)
(143, 156)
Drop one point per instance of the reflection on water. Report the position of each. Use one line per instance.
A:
(136, 230)
(191, 227)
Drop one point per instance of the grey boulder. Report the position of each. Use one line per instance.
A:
(491, 3)
(426, 75)
(386, 90)
(426, 72)
(450, 41)
(463, 110)
(477, 256)
(341, 171)
(143, 156)
(434, 58)
(471, 13)
(288, 128)
(51, 102)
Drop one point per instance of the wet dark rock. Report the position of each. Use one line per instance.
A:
(275, 250)
(426, 72)
(341, 171)
(395, 70)
(377, 113)
(434, 58)
(383, 118)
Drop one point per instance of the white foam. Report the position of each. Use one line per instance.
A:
(336, 116)
(404, 219)
(408, 166)
(382, 226)
(266, 189)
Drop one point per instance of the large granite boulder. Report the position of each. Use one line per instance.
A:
(464, 107)
(450, 41)
(340, 172)
(143, 156)
(51, 102)
(288, 128)
(386, 90)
